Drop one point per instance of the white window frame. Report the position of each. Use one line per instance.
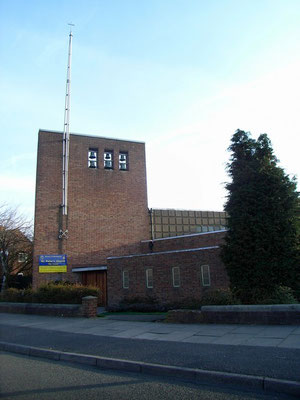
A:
(93, 159)
(125, 279)
(149, 278)
(111, 159)
(205, 270)
(176, 279)
(123, 162)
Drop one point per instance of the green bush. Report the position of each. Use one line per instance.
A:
(141, 304)
(189, 303)
(11, 294)
(220, 297)
(52, 293)
(62, 293)
(17, 295)
(280, 295)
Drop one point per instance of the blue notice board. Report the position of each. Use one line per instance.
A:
(53, 263)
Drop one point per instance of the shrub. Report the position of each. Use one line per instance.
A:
(52, 293)
(10, 294)
(17, 295)
(19, 281)
(220, 297)
(280, 295)
(62, 293)
(141, 304)
(188, 303)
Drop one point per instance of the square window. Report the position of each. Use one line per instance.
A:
(108, 159)
(123, 161)
(93, 158)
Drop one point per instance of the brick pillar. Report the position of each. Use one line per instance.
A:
(89, 306)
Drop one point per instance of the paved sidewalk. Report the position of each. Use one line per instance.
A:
(255, 357)
(281, 336)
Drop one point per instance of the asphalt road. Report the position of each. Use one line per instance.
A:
(26, 378)
(282, 363)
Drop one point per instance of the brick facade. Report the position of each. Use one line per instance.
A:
(188, 253)
(110, 228)
(107, 209)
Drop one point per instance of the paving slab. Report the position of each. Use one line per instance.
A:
(97, 331)
(213, 331)
(147, 336)
(263, 342)
(26, 323)
(249, 329)
(174, 336)
(200, 339)
(296, 331)
(130, 334)
(161, 329)
(140, 318)
(66, 327)
(87, 324)
(233, 339)
(127, 325)
(292, 341)
(276, 331)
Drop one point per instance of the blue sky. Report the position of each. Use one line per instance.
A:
(181, 75)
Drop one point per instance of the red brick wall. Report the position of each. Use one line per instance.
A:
(107, 208)
(189, 263)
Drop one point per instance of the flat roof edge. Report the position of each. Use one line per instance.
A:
(185, 209)
(87, 269)
(92, 136)
(164, 252)
(182, 236)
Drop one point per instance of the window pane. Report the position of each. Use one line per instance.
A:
(108, 159)
(205, 273)
(176, 276)
(149, 278)
(125, 279)
(93, 158)
(123, 161)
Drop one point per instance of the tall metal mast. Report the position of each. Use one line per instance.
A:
(66, 135)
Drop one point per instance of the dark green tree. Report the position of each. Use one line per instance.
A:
(261, 252)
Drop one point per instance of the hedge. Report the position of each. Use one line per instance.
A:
(52, 293)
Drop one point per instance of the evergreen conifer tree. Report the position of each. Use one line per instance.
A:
(261, 252)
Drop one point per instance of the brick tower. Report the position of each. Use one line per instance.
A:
(107, 204)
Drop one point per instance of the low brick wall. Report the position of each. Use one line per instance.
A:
(87, 309)
(281, 314)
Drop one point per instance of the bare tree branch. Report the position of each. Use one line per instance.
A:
(15, 240)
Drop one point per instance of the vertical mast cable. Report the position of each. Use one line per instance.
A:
(66, 135)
